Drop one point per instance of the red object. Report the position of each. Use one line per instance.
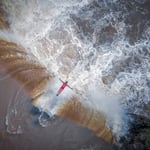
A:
(62, 87)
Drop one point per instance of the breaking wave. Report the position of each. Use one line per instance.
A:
(96, 46)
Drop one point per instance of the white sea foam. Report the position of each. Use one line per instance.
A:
(65, 36)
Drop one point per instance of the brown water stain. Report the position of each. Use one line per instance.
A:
(3, 22)
(23, 67)
(85, 116)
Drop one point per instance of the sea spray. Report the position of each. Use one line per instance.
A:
(103, 47)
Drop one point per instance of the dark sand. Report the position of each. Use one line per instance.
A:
(62, 134)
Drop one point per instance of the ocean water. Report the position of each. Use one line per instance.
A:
(101, 47)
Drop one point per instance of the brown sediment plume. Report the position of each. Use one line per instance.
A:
(33, 77)
(3, 22)
(23, 67)
(86, 116)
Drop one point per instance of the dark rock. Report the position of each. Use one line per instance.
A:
(35, 111)
(139, 134)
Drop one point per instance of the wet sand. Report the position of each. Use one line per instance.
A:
(61, 134)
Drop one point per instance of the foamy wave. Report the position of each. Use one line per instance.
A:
(95, 47)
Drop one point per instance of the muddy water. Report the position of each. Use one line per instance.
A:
(60, 135)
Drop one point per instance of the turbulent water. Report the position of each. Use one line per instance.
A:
(101, 47)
